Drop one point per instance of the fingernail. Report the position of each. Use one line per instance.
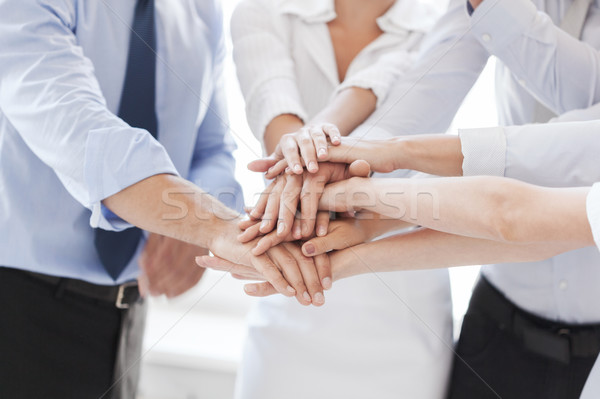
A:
(291, 290)
(250, 289)
(319, 298)
(297, 169)
(322, 153)
(297, 233)
(322, 231)
(280, 228)
(312, 166)
(326, 283)
(288, 170)
(309, 248)
(306, 296)
(198, 259)
(264, 224)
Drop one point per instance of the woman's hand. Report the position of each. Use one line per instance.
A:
(351, 195)
(383, 156)
(280, 202)
(342, 264)
(307, 146)
(308, 276)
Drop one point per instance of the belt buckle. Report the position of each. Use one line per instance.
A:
(121, 294)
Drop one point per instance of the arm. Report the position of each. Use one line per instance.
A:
(417, 250)
(50, 95)
(482, 207)
(426, 97)
(429, 249)
(524, 38)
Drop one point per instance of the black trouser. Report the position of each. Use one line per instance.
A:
(58, 345)
(505, 352)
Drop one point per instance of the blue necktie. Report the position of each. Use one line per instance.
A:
(137, 108)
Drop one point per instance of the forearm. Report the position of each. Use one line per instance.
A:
(348, 109)
(173, 207)
(483, 207)
(278, 127)
(429, 249)
(435, 154)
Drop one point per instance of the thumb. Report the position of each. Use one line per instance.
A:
(260, 289)
(262, 165)
(359, 168)
(320, 245)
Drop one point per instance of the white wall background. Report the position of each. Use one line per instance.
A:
(193, 344)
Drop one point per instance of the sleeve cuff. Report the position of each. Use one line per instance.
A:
(497, 23)
(272, 100)
(484, 151)
(116, 159)
(593, 211)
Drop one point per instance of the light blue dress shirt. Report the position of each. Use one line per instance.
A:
(63, 150)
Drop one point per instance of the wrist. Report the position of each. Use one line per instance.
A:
(402, 153)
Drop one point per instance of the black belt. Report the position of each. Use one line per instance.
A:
(122, 296)
(555, 340)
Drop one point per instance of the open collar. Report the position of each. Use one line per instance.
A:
(411, 15)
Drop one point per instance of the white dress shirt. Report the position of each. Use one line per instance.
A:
(364, 342)
(453, 55)
(63, 150)
(592, 386)
(488, 151)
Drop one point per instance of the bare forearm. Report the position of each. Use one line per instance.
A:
(436, 154)
(279, 126)
(430, 249)
(483, 207)
(348, 109)
(173, 207)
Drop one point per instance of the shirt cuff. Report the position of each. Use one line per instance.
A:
(484, 151)
(273, 99)
(497, 23)
(593, 212)
(116, 159)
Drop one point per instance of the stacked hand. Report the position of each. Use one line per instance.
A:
(290, 222)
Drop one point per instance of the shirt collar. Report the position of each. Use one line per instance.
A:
(413, 15)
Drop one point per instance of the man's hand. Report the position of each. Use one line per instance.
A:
(168, 266)
(341, 263)
(285, 267)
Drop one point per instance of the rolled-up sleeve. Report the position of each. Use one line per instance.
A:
(380, 76)
(264, 66)
(50, 95)
(523, 39)
(593, 211)
(562, 154)
(484, 151)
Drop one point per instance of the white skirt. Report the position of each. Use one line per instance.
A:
(378, 336)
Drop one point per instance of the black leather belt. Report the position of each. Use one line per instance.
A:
(122, 296)
(555, 340)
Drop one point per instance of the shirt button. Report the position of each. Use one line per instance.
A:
(486, 38)
(563, 285)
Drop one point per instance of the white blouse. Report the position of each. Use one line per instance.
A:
(279, 43)
(363, 342)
